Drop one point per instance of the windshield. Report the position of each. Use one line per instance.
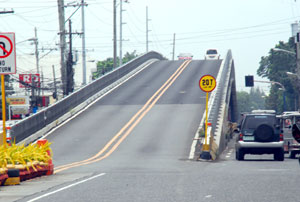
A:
(211, 52)
(252, 122)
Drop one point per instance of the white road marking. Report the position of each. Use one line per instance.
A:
(208, 196)
(66, 187)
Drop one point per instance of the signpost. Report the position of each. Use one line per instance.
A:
(207, 84)
(7, 66)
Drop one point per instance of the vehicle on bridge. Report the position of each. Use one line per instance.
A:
(185, 56)
(260, 133)
(291, 145)
(212, 54)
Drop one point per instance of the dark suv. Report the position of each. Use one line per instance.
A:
(260, 134)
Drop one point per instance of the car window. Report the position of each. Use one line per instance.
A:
(211, 52)
(252, 122)
(287, 123)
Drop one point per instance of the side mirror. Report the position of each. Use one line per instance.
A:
(237, 130)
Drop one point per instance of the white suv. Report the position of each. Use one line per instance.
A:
(212, 54)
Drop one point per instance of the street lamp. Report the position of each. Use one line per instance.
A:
(283, 50)
(291, 74)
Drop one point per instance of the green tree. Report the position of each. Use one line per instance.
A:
(105, 66)
(250, 101)
(274, 67)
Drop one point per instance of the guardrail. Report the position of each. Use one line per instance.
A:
(40, 120)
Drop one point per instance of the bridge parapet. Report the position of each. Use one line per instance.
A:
(221, 105)
(35, 126)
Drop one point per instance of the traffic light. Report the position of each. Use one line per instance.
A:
(249, 81)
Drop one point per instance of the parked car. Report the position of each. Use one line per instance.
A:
(291, 145)
(260, 133)
(212, 54)
(185, 56)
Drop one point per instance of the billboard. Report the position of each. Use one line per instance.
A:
(30, 79)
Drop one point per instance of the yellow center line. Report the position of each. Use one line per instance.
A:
(132, 121)
(128, 123)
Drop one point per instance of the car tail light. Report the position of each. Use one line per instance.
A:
(281, 137)
(241, 137)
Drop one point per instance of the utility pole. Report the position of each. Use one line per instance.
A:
(54, 79)
(62, 32)
(121, 39)
(36, 43)
(115, 33)
(147, 30)
(173, 53)
(83, 44)
(298, 67)
(70, 73)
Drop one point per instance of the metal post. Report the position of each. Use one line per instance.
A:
(55, 89)
(284, 101)
(115, 33)
(3, 110)
(83, 45)
(36, 43)
(298, 71)
(147, 41)
(121, 24)
(173, 47)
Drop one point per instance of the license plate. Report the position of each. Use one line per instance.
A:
(248, 138)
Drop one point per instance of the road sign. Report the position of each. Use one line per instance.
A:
(30, 79)
(207, 83)
(7, 53)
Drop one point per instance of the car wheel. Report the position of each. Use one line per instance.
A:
(239, 155)
(293, 155)
(279, 155)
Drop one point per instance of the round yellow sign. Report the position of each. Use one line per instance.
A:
(207, 83)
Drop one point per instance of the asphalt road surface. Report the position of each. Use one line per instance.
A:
(133, 145)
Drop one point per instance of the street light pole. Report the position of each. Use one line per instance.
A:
(297, 65)
(298, 70)
(282, 87)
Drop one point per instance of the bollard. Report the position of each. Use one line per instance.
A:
(13, 177)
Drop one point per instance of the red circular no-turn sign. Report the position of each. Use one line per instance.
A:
(6, 50)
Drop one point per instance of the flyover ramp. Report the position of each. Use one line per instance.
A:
(138, 134)
(172, 121)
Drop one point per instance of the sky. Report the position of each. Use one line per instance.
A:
(250, 28)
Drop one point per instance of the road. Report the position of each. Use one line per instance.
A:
(133, 145)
